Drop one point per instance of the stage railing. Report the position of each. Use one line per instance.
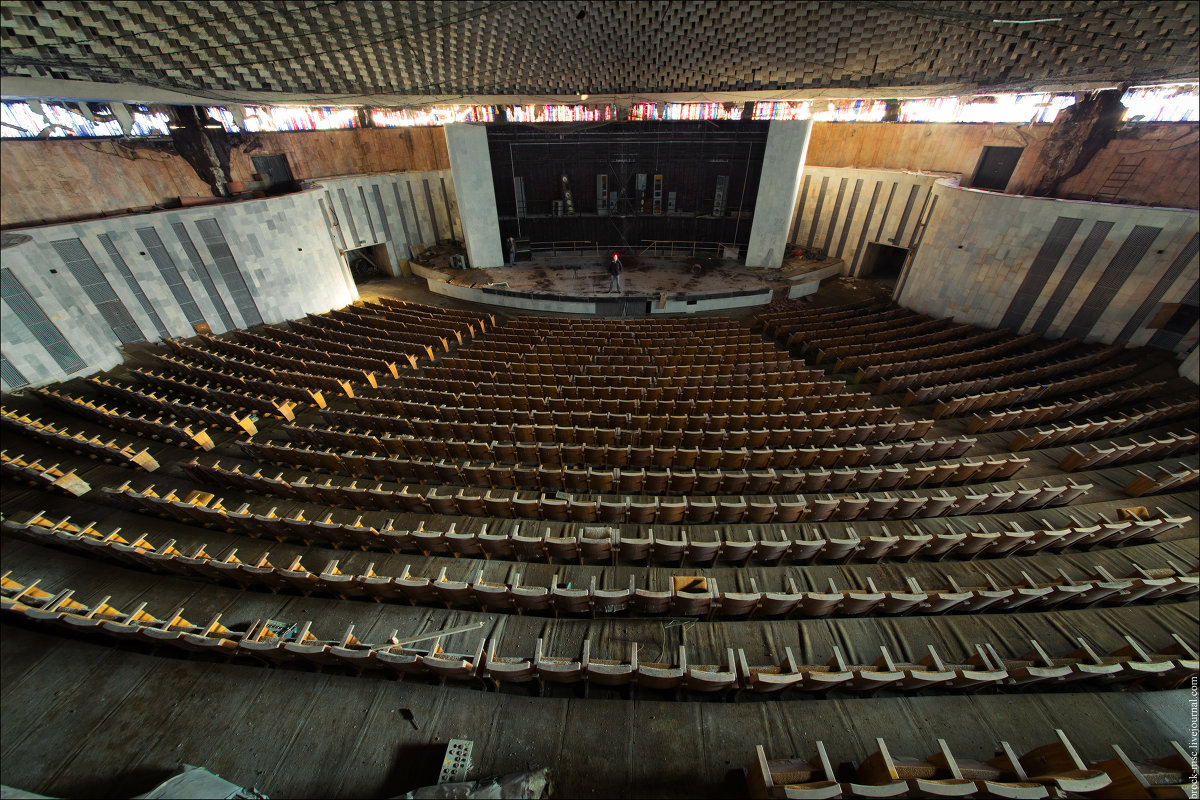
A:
(683, 246)
(566, 246)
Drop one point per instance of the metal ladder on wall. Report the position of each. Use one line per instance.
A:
(1121, 175)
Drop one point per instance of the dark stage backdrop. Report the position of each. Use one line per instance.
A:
(698, 161)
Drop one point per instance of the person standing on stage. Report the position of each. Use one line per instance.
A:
(512, 252)
(614, 270)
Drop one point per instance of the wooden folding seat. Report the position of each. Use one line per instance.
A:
(556, 670)
(1164, 777)
(1058, 766)
(606, 672)
(816, 604)
(789, 511)
(788, 481)
(670, 512)
(656, 481)
(661, 676)
(820, 509)
(529, 598)
(712, 678)
(736, 604)
(684, 603)
(734, 481)
(825, 677)
(631, 481)
(649, 601)
(815, 480)
(526, 546)
(417, 590)
(447, 666)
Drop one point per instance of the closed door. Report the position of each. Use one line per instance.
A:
(996, 167)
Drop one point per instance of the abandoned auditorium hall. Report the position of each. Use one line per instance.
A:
(583, 399)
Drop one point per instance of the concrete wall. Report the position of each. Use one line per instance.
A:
(284, 260)
(398, 210)
(1097, 272)
(1190, 368)
(841, 211)
(471, 165)
(787, 143)
(280, 246)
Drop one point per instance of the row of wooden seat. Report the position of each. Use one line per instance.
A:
(274, 390)
(896, 375)
(285, 642)
(654, 354)
(452, 316)
(601, 325)
(772, 323)
(688, 596)
(921, 334)
(243, 402)
(364, 324)
(456, 422)
(624, 398)
(472, 323)
(1031, 375)
(42, 476)
(810, 546)
(299, 346)
(929, 342)
(656, 510)
(694, 471)
(423, 420)
(154, 428)
(218, 415)
(974, 399)
(267, 353)
(665, 369)
(91, 446)
(364, 345)
(1062, 409)
(1162, 479)
(722, 387)
(306, 381)
(591, 447)
(1057, 435)
(1122, 453)
(886, 326)
(412, 329)
(1052, 770)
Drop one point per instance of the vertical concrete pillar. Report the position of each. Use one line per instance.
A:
(787, 144)
(471, 168)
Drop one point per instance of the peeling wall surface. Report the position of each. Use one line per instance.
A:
(1060, 268)
(1162, 159)
(56, 180)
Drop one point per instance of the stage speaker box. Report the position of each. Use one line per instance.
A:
(568, 201)
(602, 194)
(612, 202)
(641, 192)
(657, 195)
(671, 203)
(719, 195)
(519, 194)
(558, 208)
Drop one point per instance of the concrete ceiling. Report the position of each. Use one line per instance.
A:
(386, 52)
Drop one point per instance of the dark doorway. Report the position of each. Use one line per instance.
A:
(275, 171)
(882, 261)
(996, 167)
(365, 263)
